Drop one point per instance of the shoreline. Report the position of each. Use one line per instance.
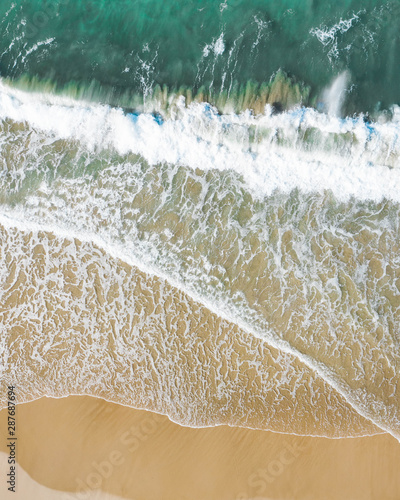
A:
(261, 385)
(105, 400)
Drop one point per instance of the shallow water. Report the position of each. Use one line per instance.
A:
(313, 275)
(235, 268)
(81, 322)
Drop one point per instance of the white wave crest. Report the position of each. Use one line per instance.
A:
(349, 157)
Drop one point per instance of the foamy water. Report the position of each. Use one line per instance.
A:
(300, 149)
(78, 321)
(285, 226)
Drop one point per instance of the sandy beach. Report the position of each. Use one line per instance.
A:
(90, 449)
(200, 250)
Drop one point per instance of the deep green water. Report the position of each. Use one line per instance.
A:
(122, 46)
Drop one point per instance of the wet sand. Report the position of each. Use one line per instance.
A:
(103, 328)
(82, 445)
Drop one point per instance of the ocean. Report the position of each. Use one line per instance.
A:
(199, 209)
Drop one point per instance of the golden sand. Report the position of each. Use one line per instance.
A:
(84, 445)
(29, 489)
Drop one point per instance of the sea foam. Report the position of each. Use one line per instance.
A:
(301, 149)
(290, 270)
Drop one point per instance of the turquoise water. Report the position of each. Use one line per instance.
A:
(131, 46)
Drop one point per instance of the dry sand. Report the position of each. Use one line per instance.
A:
(29, 489)
(83, 445)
